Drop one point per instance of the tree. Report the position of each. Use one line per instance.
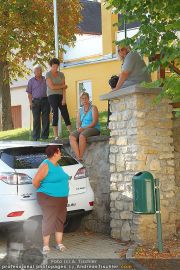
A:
(27, 33)
(157, 37)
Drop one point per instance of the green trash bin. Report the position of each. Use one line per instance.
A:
(143, 193)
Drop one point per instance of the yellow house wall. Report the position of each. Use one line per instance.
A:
(108, 29)
(98, 74)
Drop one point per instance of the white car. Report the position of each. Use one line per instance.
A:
(19, 161)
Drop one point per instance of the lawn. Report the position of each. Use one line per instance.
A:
(25, 134)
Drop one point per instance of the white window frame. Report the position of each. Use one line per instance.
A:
(78, 96)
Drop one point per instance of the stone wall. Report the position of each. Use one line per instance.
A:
(141, 140)
(97, 164)
(176, 137)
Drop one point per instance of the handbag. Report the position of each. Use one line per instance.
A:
(113, 81)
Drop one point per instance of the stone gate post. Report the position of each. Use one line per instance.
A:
(141, 139)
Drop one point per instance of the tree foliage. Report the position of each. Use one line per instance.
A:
(27, 30)
(27, 33)
(158, 34)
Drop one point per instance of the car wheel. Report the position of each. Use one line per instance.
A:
(72, 224)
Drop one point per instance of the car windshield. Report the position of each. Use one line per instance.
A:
(31, 157)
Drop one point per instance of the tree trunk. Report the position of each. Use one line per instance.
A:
(5, 98)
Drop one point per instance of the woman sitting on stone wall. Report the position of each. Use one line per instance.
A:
(87, 125)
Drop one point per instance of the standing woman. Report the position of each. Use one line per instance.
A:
(52, 192)
(56, 92)
(87, 125)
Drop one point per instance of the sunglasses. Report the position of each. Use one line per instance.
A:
(120, 50)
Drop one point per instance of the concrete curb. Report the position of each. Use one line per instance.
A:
(130, 258)
(130, 251)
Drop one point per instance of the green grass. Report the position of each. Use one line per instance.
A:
(25, 134)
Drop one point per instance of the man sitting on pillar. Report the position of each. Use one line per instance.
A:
(134, 70)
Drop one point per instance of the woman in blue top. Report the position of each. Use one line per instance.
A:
(87, 125)
(52, 192)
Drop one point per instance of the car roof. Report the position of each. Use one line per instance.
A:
(16, 144)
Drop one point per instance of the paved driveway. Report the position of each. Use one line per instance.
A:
(79, 245)
(88, 245)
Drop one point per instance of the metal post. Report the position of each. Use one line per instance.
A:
(57, 52)
(158, 216)
(125, 29)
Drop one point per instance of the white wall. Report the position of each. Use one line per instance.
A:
(20, 97)
(86, 45)
(130, 33)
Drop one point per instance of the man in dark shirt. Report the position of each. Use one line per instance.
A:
(39, 104)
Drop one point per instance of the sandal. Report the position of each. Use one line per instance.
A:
(45, 250)
(60, 247)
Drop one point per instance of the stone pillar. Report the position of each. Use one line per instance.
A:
(141, 140)
(176, 137)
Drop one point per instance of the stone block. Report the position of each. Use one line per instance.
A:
(155, 165)
(137, 220)
(169, 170)
(121, 107)
(139, 114)
(124, 149)
(113, 116)
(135, 166)
(114, 149)
(113, 187)
(120, 125)
(112, 158)
(164, 215)
(120, 187)
(114, 195)
(151, 151)
(116, 233)
(126, 215)
(120, 177)
(114, 216)
(132, 131)
(115, 223)
(120, 164)
(121, 141)
(172, 217)
(169, 194)
(112, 204)
(113, 177)
(112, 141)
(128, 206)
(132, 123)
(112, 168)
(125, 231)
(126, 115)
(141, 156)
(119, 205)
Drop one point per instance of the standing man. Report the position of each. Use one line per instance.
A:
(134, 70)
(38, 101)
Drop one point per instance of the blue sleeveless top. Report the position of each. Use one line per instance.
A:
(87, 118)
(55, 184)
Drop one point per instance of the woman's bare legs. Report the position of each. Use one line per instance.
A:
(46, 240)
(58, 237)
(55, 130)
(74, 146)
(69, 128)
(82, 145)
